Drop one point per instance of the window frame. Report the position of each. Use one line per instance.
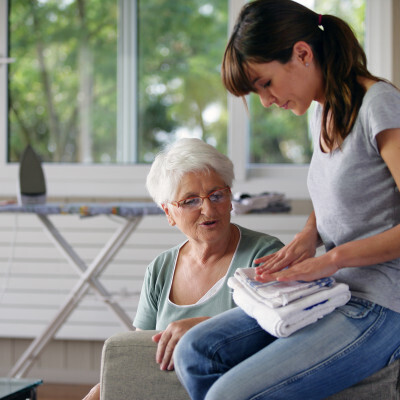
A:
(121, 182)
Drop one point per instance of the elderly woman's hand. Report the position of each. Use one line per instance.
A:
(94, 393)
(168, 339)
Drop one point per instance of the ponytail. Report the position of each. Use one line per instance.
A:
(342, 62)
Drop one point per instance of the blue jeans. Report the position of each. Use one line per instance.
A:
(231, 357)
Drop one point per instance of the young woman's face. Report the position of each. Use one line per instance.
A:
(291, 86)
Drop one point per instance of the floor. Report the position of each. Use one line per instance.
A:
(52, 391)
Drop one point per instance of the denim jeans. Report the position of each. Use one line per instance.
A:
(231, 357)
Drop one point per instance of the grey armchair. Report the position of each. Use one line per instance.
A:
(129, 372)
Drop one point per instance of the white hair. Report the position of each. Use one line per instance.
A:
(184, 156)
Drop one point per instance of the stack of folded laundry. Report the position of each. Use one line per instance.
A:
(282, 308)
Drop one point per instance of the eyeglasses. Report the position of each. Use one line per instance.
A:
(194, 203)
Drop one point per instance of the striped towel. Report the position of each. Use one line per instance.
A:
(277, 294)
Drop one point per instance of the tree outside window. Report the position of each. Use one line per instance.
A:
(63, 84)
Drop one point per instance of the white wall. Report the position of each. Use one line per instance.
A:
(36, 278)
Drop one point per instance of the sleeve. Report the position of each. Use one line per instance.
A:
(255, 245)
(383, 112)
(268, 245)
(146, 314)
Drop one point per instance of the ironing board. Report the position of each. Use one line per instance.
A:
(132, 212)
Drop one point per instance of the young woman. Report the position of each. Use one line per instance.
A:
(291, 56)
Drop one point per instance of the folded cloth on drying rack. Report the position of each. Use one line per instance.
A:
(243, 203)
(285, 320)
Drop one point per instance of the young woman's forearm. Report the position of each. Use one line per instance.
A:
(372, 250)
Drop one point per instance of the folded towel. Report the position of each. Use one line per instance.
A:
(283, 321)
(277, 294)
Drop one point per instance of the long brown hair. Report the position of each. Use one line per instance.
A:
(266, 30)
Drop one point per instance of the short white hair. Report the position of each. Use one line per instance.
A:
(184, 156)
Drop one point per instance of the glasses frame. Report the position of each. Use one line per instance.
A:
(179, 205)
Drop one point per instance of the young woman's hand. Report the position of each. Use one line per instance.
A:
(168, 339)
(307, 270)
(302, 247)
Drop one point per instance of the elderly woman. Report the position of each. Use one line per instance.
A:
(191, 181)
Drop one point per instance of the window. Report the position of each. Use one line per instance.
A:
(114, 156)
(74, 57)
(179, 57)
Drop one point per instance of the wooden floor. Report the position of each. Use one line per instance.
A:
(51, 391)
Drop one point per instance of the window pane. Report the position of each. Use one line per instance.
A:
(181, 44)
(63, 85)
(278, 136)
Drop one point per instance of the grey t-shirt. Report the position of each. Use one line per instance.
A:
(355, 196)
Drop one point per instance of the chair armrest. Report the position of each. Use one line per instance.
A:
(129, 370)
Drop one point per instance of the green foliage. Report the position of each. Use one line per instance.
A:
(48, 40)
(179, 58)
(278, 136)
(63, 84)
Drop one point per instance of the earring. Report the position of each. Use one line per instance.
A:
(307, 64)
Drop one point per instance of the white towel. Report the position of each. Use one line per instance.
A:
(277, 294)
(283, 321)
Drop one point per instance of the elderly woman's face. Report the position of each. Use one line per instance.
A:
(211, 220)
